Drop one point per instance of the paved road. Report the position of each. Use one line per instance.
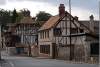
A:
(15, 61)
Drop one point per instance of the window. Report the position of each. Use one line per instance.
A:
(45, 34)
(48, 33)
(94, 49)
(45, 49)
(40, 35)
(57, 32)
(81, 30)
(74, 30)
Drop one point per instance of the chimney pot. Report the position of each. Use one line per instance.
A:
(91, 17)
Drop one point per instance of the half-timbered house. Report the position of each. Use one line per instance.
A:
(26, 30)
(64, 36)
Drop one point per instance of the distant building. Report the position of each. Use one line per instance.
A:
(26, 31)
(54, 37)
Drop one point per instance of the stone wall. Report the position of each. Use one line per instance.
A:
(11, 50)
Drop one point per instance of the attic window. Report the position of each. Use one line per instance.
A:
(57, 32)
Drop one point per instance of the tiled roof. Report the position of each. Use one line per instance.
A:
(51, 22)
(87, 22)
(55, 19)
(27, 20)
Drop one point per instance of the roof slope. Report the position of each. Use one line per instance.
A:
(87, 22)
(51, 22)
(27, 20)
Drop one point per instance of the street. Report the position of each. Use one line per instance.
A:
(19, 61)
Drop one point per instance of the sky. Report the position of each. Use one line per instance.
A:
(81, 8)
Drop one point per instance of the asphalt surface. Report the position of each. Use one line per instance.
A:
(19, 61)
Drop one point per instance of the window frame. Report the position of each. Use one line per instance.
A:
(45, 49)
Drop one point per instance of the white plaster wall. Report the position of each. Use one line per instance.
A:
(46, 41)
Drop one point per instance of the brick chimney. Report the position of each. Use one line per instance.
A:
(61, 10)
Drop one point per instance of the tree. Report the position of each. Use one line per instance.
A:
(22, 13)
(43, 16)
(14, 16)
(5, 16)
(20, 16)
(25, 12)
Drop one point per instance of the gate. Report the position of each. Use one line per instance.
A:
(77, 53)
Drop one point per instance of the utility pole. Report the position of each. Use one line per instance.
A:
(70, 29)
(0, 43)
(99, 30)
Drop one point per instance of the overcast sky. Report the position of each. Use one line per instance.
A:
(81, 8)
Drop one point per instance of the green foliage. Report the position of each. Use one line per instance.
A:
(5, 17)
(43, 16)
(14, 16)
(25, 12)
(20, 16)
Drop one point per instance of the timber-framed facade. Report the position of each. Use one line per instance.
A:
(54, 37)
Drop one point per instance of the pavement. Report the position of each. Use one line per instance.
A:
(19, 61)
